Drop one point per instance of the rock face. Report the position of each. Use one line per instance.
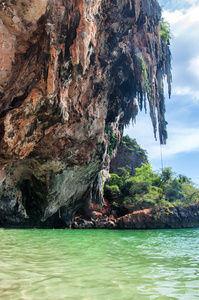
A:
(175, 217)
(130, 154)
(70, 72)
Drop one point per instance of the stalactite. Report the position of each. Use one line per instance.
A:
(71, 71)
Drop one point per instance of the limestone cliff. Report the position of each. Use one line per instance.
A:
(129, 154)
(70, 73)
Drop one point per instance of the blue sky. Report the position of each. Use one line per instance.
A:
(182, 149)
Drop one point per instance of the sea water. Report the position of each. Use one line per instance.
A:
(99, 264)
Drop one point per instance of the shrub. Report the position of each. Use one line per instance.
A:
(112, 192)
(190, 194)
(165, 32)
(166, 175)
(141, 187)
(112, 140)
(148, 189)
(115, 180)
(128, 200)
(173, 190)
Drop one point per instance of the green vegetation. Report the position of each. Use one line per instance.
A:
(165, 32)
(144, 72)
(112, 140)
(132, 146)
(143, 68)
(148, 189)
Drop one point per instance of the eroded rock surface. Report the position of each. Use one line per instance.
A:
(175, 217)
(156, 218)
(70, 72)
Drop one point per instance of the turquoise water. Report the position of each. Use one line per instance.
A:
(99, 264)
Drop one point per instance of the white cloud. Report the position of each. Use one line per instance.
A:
(193, 2)
(184, 48)
(181, 20)
(186, 90)
(181, 139)
(173, 5)
(194, 66)
(173, 17)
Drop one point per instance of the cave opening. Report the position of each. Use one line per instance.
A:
(34, 194)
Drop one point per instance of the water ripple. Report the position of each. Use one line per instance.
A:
(99, 264)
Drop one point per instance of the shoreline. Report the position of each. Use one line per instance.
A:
(174, 218)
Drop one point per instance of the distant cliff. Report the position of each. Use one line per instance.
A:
(129, 154)
(71, 72)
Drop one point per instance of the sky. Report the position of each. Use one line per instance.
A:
(182, 111)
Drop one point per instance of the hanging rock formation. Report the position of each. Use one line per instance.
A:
(70, 72)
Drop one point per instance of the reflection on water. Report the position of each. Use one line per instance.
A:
(99, 264)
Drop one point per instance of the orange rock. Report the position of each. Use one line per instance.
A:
(70, 70)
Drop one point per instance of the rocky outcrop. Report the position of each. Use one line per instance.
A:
(129, 154)
(159, 218)
(175, 217)
(70, 73)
